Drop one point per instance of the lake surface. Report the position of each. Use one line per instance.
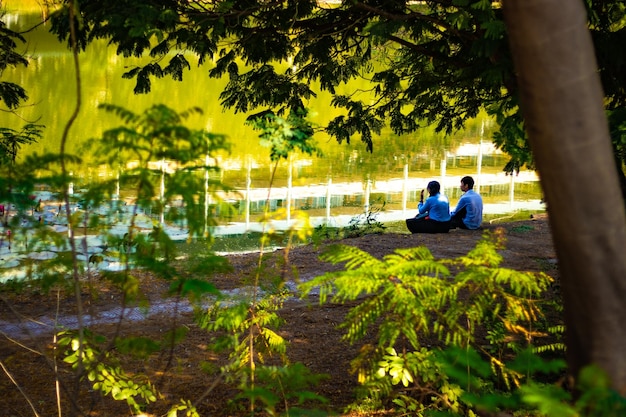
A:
(345, 182)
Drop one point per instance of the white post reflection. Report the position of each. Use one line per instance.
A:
(479, 158)
(512, 191)
(442, 173)
(206, 195)
(162, 193)
(405, 188)
(368, 190)
(289, 191)
(117, 186)
(248, 185)
(328, 199)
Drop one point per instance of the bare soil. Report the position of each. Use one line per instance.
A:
(27, 375)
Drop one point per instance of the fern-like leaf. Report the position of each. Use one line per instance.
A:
(352, 256)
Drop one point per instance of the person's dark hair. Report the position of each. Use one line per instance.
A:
(433, 187)
(469, 181)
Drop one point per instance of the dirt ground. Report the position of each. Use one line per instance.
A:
(27, 382)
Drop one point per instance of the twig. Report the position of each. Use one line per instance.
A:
(57, 386)
(6, 371)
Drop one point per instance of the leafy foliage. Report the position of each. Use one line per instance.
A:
(99, 209)
(433, 61)
(533, 397)
(100, 367)
(11, 141)
(284, 136)
(366, 223)
(246, 325)
(362, 224)
(409, 298)
(289, 383)
(160, 171)
(10, 93)
(159, 142)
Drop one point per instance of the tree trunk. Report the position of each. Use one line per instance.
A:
(561, 99)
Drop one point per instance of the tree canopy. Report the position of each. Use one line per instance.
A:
(10, 93)
(437, 61)
(12, 96)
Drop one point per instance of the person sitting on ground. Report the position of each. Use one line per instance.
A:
(434, 213)
(468, 213)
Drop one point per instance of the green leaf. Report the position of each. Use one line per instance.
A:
(198, 287)
(549, 400)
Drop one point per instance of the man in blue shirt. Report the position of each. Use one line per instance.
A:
(468, 213)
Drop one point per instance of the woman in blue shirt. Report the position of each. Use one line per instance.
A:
(434, 213)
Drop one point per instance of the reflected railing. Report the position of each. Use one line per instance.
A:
(335, 204)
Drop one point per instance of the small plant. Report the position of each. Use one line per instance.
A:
(245, 325)
(417, 305)
(12, 140)
(524, 228)
(96, 213)
(595, 398)
(366, 223)
(360, 225)
(100, 367)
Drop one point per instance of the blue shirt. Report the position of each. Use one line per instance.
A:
(437, 207)
(473, 202)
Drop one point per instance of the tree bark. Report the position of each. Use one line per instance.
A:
(561, 99)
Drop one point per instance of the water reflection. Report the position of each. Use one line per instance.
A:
(336, 200)
(337, 203)
(346, 182)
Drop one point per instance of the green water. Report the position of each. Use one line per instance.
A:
(353, 178)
